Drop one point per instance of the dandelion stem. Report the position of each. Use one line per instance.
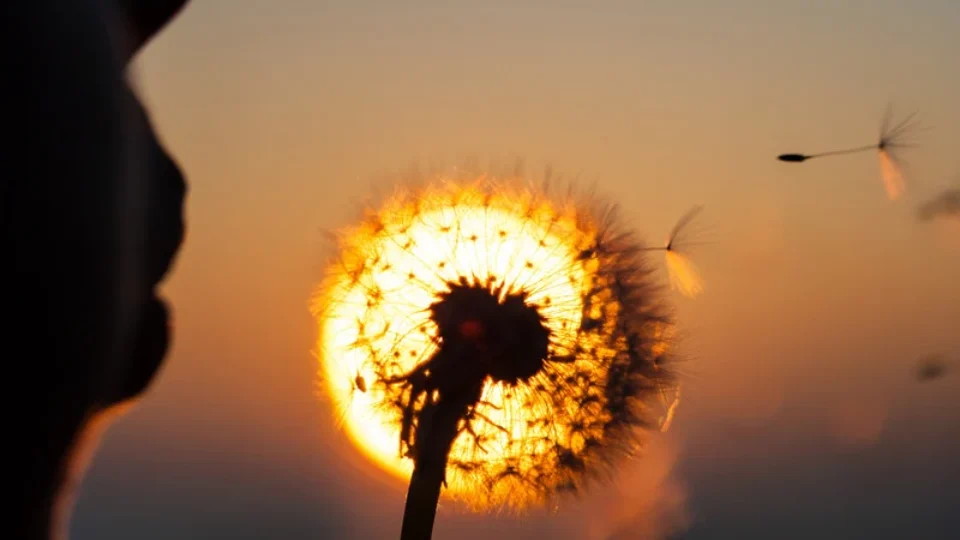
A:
(422, 497)
(436, 431)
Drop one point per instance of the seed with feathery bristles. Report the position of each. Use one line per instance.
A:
(893, 139)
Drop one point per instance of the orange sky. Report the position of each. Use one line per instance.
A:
(821, 293)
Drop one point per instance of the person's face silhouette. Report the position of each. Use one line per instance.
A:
(89, 225)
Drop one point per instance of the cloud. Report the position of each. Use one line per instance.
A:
(946, 204)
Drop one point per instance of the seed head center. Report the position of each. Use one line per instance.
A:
(503, 334)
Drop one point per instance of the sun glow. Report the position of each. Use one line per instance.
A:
(437, 242)
(375, 325)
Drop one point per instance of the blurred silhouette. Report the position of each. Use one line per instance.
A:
(90, 221)
(892, 138)
(946, 204)
(930, 368)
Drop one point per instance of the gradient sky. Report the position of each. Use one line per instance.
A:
(801, 417)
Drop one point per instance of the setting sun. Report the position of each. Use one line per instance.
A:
(376, 327)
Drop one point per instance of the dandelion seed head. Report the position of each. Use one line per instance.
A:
(548, 299)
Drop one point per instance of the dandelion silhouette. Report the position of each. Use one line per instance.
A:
(893, 138)
(488, 339)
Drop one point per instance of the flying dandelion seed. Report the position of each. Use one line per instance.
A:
(512, 348)
(684, 275)
(930, 368)
(946, 204)
(893, 138)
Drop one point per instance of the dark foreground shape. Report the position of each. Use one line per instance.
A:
(90, 224)
(792, 158)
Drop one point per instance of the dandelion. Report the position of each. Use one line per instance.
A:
(495, 343)
(892, 139)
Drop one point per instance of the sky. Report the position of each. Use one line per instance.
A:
(801, 416)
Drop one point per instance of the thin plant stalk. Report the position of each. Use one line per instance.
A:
(437, 427)
(438, 431)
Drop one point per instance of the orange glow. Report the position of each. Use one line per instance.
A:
(667, 419)
(373, 310)
(684, 276)
(441, 228)
(892, 176)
